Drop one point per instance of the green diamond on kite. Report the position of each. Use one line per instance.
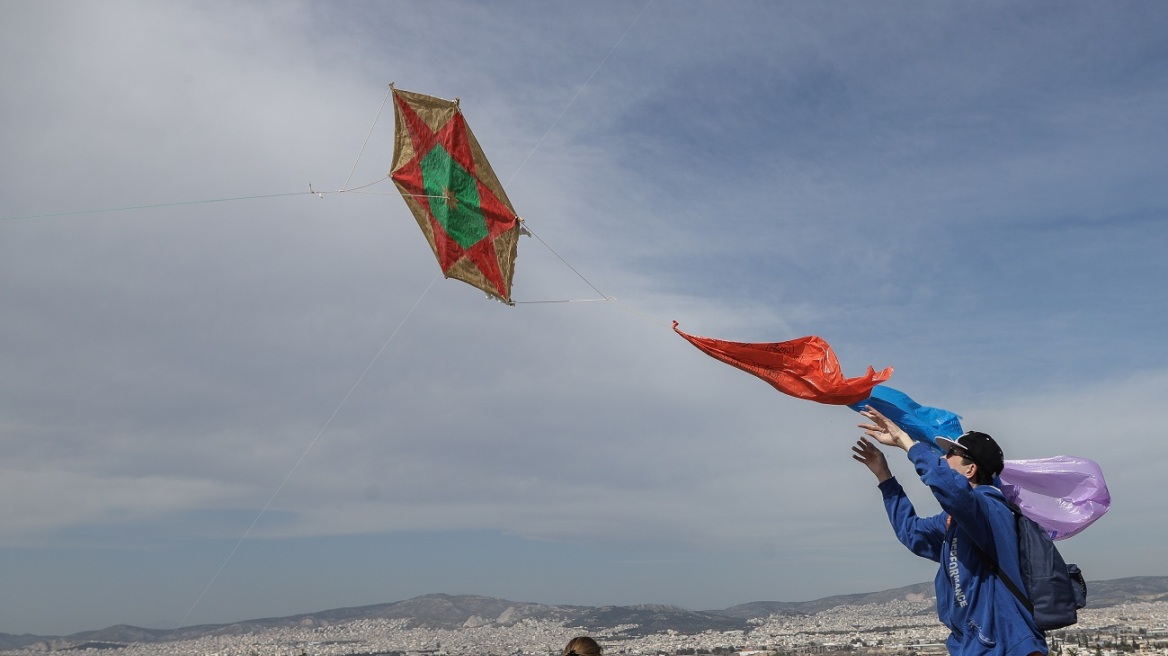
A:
(452, 192)
(454, 197)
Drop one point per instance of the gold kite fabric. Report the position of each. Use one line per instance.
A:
(805, 368)
(453, 193)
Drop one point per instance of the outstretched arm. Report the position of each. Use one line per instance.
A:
(867, 454)
(924, 536)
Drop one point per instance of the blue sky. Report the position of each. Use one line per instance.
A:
(216, 411)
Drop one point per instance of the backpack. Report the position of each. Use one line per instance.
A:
(1054, 590)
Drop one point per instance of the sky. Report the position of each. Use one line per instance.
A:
(240, 399)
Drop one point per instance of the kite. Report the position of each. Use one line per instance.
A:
(805, 368)
(453, 193)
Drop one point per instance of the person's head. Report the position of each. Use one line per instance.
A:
(582, 646)
(974, 454)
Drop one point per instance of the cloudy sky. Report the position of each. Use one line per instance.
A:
(214, 410)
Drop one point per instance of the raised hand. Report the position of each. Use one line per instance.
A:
(884, 430)
(868, 455)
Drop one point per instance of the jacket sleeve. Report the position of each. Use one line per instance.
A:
(923, 536)
(969, 509)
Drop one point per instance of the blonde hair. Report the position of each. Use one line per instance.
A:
(582, 646)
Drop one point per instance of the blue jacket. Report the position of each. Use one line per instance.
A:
(983, 616)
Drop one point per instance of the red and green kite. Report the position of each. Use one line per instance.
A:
(449, 186)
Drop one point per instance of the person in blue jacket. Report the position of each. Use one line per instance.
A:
(983, 617)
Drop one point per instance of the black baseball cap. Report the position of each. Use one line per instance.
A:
(978, 447)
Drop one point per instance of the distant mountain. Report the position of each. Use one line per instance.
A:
(1102, 594)
(757, 609)
(465, 611)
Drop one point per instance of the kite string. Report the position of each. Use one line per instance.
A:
(604, 297)
(367, 184)
(317, 192)
(312, 191)
(304, 453)
(544, 137)
(579, 91)
(146, 207)
(376, 118)
(667, 324)
(558, 256)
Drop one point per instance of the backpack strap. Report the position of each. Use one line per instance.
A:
(992, 564)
